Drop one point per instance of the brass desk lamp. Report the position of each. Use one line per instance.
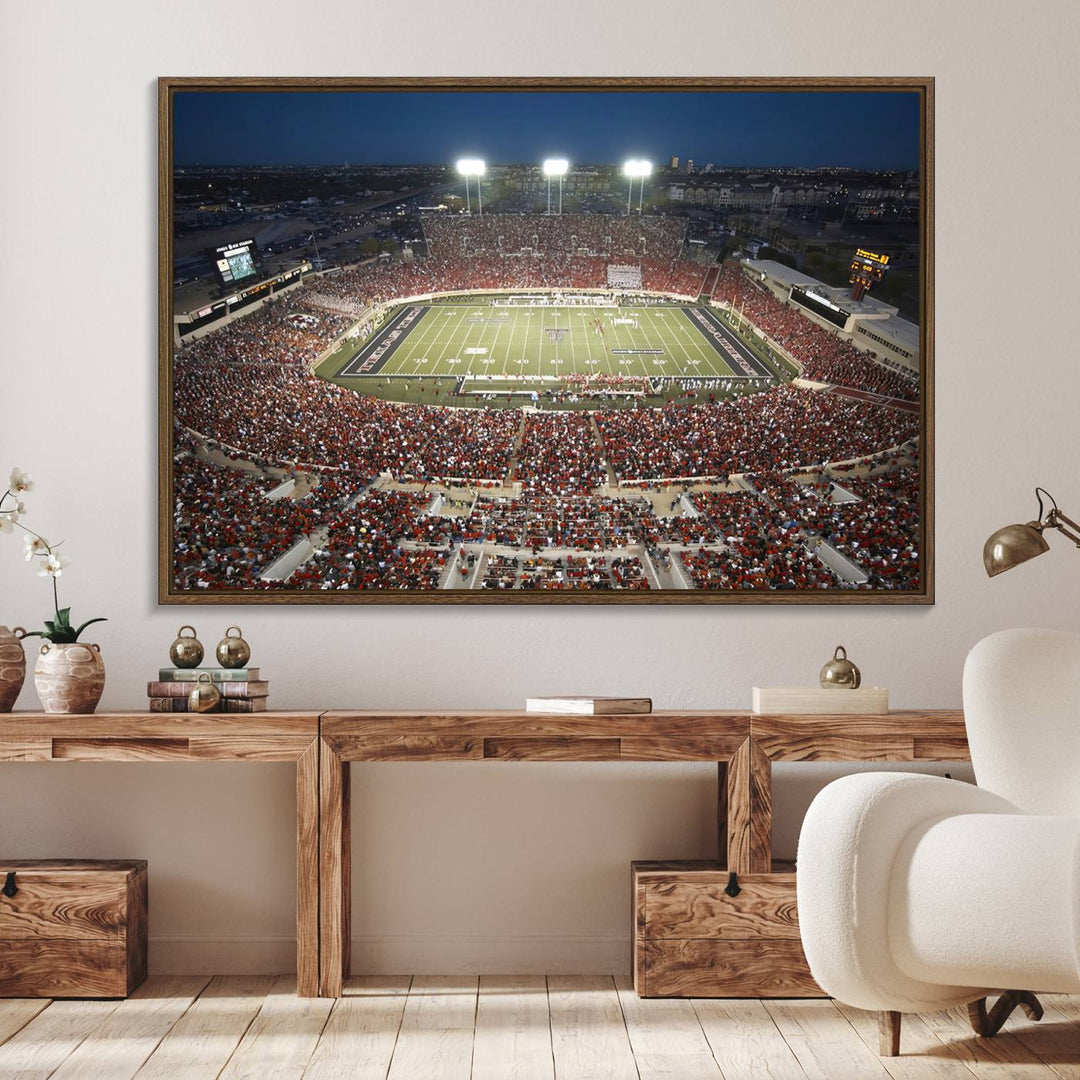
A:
(1014, 544)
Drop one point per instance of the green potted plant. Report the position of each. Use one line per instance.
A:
(69, 674)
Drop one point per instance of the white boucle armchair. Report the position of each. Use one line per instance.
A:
(917, 893)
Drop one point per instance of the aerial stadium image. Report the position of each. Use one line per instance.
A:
(478, 344)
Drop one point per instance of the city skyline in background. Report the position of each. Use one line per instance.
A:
(782, 129)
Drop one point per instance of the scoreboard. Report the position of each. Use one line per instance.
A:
(235, 263)
(867, 269)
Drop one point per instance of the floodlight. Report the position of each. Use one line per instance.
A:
(556, 167)
(471, 167)
(635, 169)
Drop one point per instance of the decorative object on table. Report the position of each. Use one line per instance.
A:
(840, 673)
(588, 706)
(817, 701)
(72, 928)
(69, 675)
(904, 880)
(240, 690)
(203, 695)
(855, 527)
(1015, 544)
(186, 651)
(12, 666)
(233, 652)
(251, 674)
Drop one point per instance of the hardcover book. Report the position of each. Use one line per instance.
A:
(191, 674)
(226, 689)
(588, 706)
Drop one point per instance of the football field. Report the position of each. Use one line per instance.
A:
(550, 343)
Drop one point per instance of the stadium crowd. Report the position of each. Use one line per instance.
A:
(559, 455)
(782, 428)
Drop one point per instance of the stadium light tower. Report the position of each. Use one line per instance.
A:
(555, 167)
(636, 170)
(472, 167)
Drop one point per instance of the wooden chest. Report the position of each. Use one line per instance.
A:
(693, 939)
(71, 928)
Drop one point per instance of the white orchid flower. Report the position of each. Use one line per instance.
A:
(54, 565)
(34, 545)
(20, 481)
(7, 520)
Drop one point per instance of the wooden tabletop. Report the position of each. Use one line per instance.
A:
(147, 736)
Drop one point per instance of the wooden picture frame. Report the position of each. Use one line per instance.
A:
(191, 570)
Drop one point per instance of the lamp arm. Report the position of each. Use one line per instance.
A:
(1064, 525)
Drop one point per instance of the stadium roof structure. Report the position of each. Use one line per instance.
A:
(867, 316)
(781, 274)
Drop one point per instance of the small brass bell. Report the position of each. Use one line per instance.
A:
(187, 651)
(204, 695)
(233, 652)
(840, 673)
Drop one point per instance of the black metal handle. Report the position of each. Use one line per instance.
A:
(732, 887)
(9, 884)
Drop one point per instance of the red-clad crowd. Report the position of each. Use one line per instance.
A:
(823, 356)
(227, 532)
(761, 553)
(781, 428)
(559, 455)
(286, 330)
(362, 550)
(612, 236)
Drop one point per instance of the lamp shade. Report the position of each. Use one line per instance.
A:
(1012, 545)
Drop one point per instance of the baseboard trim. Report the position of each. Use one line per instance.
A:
(431, 954)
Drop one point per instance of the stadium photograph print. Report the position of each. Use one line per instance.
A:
(546, 340)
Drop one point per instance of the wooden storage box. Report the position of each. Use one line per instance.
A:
(72, 928)
(691, 939)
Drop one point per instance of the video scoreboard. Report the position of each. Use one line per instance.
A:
(236, 262)
(867, 269)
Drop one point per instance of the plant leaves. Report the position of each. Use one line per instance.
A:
(86, 624)
(63, 616)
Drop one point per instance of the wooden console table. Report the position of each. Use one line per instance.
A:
(323, 745)
(743, 746)
(269, 736)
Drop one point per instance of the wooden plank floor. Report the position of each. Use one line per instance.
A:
(525, 1027)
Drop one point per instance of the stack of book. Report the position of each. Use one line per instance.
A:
(241, 689)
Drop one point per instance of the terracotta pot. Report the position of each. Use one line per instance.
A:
(69, 678)
(12, 666)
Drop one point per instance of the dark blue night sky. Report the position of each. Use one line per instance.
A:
(862, 130)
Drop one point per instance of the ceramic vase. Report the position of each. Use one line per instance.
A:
(12, 666)
(69, 678)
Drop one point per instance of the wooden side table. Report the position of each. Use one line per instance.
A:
(260, 737)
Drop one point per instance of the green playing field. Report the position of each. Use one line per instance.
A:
(546, 344)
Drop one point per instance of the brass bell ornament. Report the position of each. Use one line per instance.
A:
(840, 673)
(233, 652)
(186, 651)
(204, 695)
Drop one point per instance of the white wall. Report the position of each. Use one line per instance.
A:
(494, 866)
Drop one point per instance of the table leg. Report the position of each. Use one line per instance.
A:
(307, 871)
(722, 813)
(749, 810)
(334, 872)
